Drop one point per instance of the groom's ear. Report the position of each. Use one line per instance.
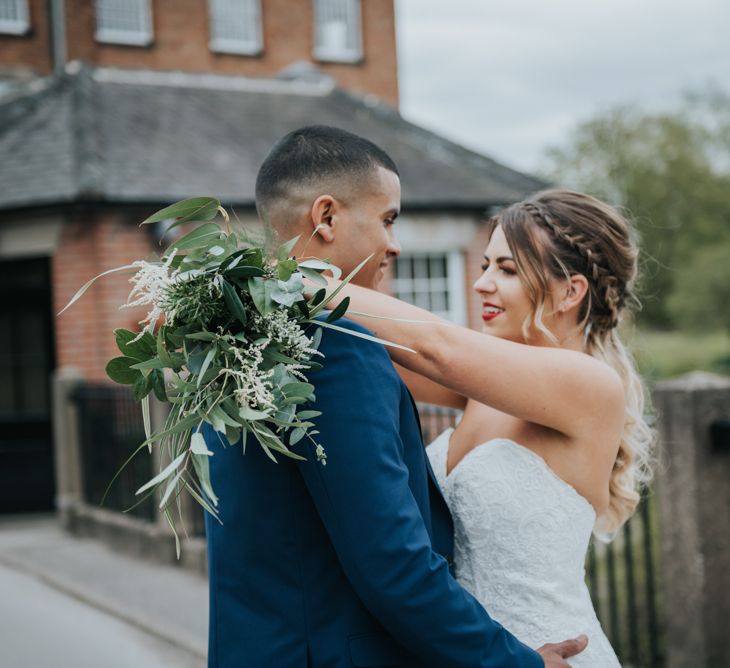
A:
(322, 217)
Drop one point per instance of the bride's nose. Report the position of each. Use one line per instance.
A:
(484, 283)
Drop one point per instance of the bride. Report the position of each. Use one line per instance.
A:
(552, 445)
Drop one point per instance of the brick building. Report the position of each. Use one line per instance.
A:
(111, 109)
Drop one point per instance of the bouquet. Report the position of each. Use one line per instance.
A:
(228, 339)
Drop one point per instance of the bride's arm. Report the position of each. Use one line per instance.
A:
(428, 392)
(562, 389)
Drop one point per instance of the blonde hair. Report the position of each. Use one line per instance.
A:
(559, 233)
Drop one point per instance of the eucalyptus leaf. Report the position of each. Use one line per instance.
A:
(323, 266)
(313, 276)
(298, 389)
(296, 435)
(285, 269)
(120, 370)
(201, 464)
(305, 415)
(141, 349)
(171, 485)
(198, 445)
(187, 210)
(166, 473)
(142, 387)
(206, 363)
(245, 272)
(154, 363)
(339, 310)
(233, 301)
(286, 248)
(200, 237)
(250, 414)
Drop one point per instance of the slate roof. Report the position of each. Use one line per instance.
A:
(102, 135)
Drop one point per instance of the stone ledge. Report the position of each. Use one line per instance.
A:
(135, 537)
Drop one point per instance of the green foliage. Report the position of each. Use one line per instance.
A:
(671, 172)
(233, 351)
(661, 354)
(701, 296)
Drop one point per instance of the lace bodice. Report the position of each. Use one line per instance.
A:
(520, 540)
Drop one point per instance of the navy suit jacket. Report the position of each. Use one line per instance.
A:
(345, 564)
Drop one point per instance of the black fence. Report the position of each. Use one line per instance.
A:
(110, 430)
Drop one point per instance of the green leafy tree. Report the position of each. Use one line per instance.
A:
(701, 296)
(671, 173)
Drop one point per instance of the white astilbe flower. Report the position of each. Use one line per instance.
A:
(150, 283)
(253, 386)
(278, 326)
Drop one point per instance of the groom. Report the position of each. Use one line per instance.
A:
(344, 564)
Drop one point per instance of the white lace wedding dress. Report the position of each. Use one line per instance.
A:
(520, 540)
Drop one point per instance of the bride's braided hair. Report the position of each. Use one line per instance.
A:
(554, 235)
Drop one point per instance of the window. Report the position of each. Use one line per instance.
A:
(124, 22)
(337, 32)
(434, 281)
(235, 26)
(14, 17)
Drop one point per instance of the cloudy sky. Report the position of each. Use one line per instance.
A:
(511, 77)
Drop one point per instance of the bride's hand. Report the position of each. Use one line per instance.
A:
(554, 654)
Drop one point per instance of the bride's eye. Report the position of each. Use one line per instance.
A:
(485, 266)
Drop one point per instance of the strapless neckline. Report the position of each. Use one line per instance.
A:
(520, 449)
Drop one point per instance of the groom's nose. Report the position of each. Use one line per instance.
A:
(393, 245)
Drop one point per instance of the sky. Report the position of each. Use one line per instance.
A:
(510, 78)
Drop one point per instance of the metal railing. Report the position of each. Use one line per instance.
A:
(110, 430)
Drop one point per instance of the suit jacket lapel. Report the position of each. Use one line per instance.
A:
(431, 474)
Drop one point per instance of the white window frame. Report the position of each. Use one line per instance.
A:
(453, 284)
(242, 46)
(141, 37)
(324, 9)
(21, 23)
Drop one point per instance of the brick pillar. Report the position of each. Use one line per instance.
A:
(694, 501)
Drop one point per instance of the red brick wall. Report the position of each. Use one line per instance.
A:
(32, 51)
(181, 36)
(91, 244)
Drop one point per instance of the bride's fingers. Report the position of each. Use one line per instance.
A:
(569, 648)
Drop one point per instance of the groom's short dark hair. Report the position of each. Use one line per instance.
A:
(314, 156)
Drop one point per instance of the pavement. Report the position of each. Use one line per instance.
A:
(72, 602)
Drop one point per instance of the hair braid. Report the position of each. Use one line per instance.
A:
(609, 291)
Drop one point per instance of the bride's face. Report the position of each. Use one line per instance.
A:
(505, 302)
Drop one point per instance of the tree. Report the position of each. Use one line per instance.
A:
(701, 296)
(671, 173)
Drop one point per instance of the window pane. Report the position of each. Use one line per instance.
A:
(337, 29)
(423, 280)
(437, 266)
(14, 16)
(420, 267)
(124, 21)
(235, 25)
(439, 302)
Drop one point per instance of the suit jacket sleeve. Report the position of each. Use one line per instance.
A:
(371, 516)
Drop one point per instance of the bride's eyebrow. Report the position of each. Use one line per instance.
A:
(503, 258)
